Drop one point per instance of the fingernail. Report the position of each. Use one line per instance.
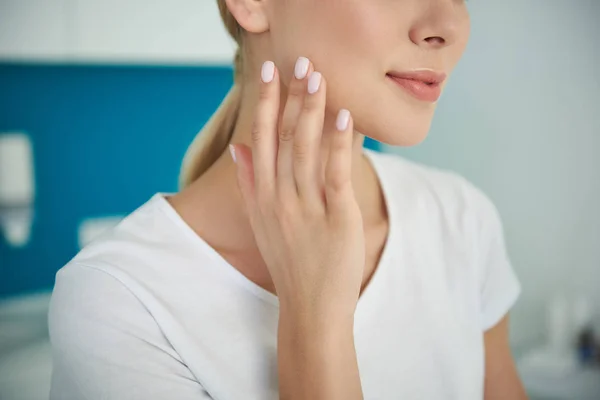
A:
(301, 69)
(314, 82)
(343, 119)
(268, 72)
(232, 151)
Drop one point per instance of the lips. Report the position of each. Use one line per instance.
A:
(423, 85)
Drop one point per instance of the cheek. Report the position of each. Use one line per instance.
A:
(346, 34)
(334, 34)
(349, 48)
(349, 42)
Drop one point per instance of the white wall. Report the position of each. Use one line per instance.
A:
(115, 31)
(521, 116)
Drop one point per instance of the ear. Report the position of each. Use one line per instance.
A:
(250, 14)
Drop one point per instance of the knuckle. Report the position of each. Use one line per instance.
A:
(296, 92)
(285, 212)
(309, 106)
(256, 132)
(301, 152)
(264, 94)
(286, 134)
(263, 202)
(338, 184)
(312, 211)
(340, 144)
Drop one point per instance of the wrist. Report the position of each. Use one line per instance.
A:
(315, 321)
(315, 310)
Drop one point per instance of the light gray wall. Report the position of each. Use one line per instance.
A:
(521, 119)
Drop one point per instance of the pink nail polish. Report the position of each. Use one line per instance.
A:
(314, 82)
(301, 69)
(343, 119)
(268, 72)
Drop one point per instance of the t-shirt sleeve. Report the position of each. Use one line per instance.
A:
(106, 345)
(499, 285)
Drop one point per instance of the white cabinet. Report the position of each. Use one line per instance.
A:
(114, 31)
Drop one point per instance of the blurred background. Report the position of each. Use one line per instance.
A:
(99, 100)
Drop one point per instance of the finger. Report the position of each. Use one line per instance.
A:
(293, 107)
(338, 172)
(307, 139)
(264, 129)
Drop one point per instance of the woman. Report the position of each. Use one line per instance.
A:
(391, 278)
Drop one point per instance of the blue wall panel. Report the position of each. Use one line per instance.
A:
(105, 139)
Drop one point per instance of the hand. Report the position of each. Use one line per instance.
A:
(307, 224)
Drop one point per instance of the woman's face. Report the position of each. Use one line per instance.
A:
(368, 50)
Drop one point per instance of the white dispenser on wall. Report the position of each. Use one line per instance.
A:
(17, 187)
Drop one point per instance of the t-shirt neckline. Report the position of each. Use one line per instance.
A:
(265, 295)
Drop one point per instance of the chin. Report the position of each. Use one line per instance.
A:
(391, 116)
(396, 130)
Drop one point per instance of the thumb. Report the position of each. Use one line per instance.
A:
(242, 157)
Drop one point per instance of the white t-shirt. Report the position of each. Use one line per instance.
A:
(151, 311)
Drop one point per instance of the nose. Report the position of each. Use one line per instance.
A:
(438, 24)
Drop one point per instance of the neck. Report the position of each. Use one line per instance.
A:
(218, 186)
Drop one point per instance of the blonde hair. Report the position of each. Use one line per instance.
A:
(214, 137)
